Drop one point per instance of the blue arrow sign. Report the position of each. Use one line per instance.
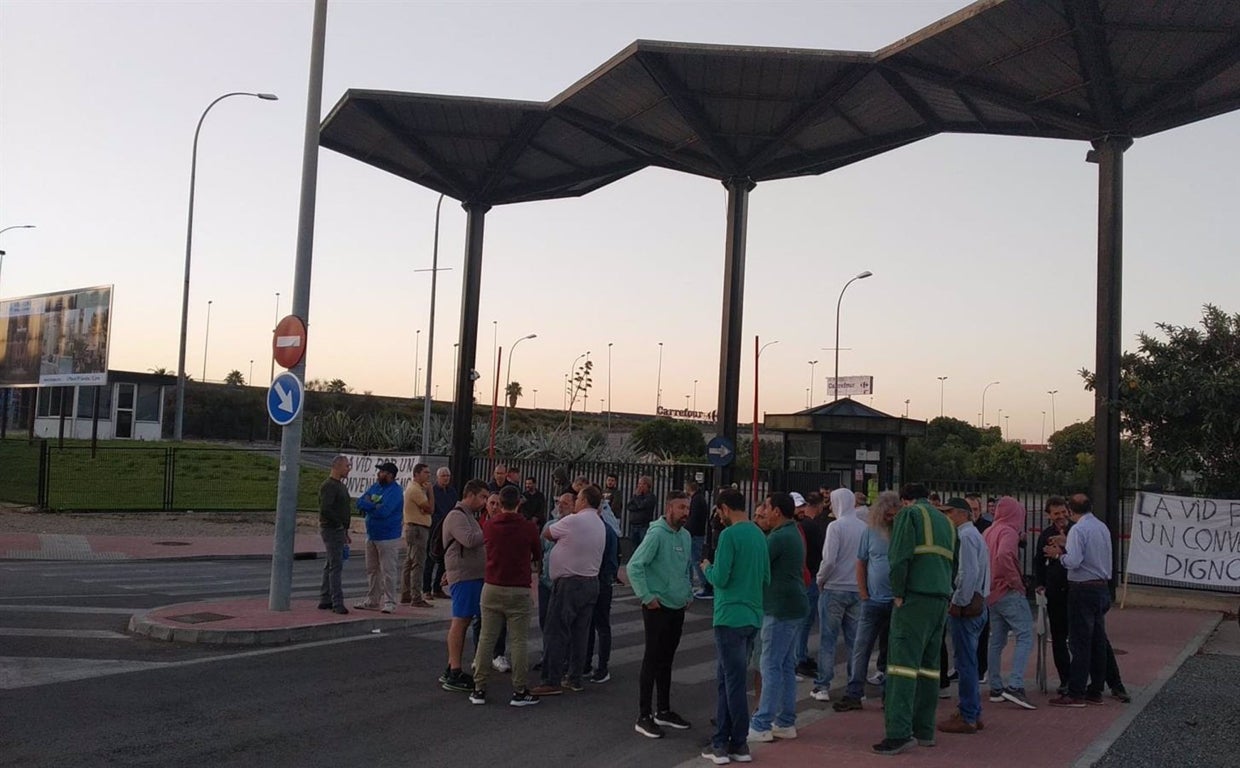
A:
(284, 399)
(720, 451)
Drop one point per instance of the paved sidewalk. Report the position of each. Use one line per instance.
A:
(1152, 643)
(57, 546)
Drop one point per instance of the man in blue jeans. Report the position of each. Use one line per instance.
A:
(966, 615)
(840, 603)
(813, 522)
(739, 575)
(699, 520)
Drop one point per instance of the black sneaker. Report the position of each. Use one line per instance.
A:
(740, 754)
(647, 727)
(587, 670)
(522, 698)
(447, 672)
(478, 697)
(571, 685)
(1119, 694)
(326, 605)
(600, 676)
(847, 704)
(804, 669)
(894, 746)
(1017, 697)
(458, 681)
(670, 719)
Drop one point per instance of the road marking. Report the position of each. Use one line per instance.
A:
(77, 595)
(67, 609)
(76, 634)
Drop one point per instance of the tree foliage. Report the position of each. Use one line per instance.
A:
(1178, 397)
(513, 393)
(668, 438)
(234, 378)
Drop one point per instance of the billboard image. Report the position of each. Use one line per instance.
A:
(55, 339)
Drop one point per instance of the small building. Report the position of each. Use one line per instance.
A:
(129, 407)
(843, 444)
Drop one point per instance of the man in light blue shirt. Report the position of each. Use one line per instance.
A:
(966, 615)
(1086, 555)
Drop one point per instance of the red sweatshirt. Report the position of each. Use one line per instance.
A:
(512, 545)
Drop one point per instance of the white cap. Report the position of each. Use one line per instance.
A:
(797, 499)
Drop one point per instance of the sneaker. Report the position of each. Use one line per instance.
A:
(945, 692)
(600, 676)
(1094, 699)
(1061, 690)
(703, 595)
(670, 719)
(340, 609)
(805, 670)
(478, 697)
(458, 681)
(421, 603)
(893, 746)
(784, 732)
(1067, 701)
(362, 605)
(740, 754)
(570, 685)
(546, 690)
(760, 736)
(996, 696)
(500, 664)
(718, 755)
(957, 724)
(447, 672)
(405, 599)
(982, 680)
(847, 704)
(647, 727)
(1121, 695)
(522, 698)
(953, 676)
(325, 605)
(389, 608)
(1017, 697)
(820, 694)
(878, 678)
(930, 742)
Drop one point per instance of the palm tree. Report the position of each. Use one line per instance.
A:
(234, 379)
(513, 391)
(161, 371)
(337, 386)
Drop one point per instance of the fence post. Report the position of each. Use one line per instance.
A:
(170, 461)
(45, 458)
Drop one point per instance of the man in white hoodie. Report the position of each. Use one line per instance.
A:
(839, 604)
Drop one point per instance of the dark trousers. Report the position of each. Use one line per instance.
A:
(333, 542)
(1087, 637)
(600, 625)
(432, 573)
(983, 649)
(544, 602)
(1057, 617)
(568, 623)
(1113, 679)
(663, 628)
(733, 647)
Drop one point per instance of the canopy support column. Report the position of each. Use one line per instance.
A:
(463, 402)
(733, 305)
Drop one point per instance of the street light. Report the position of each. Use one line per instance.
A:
(812, 363)
(430, 340)
(536, 399)
(273, 357)
(941, 380)
(836, 380)
(756, 445)
(250, 380)
(206, 339)
(508, 378)
(695, 381)
(6, 229)
(1007, 427)
(906, 402)
(1052, 392)
(1043, 428)
(417, 352)
(178, 431)
(658, 383)
(609, 403)
(981, 417)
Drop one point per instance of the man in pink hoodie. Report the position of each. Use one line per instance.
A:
(1009, 606)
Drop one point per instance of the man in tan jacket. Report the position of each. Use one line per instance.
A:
(465, 561)
(418, 509)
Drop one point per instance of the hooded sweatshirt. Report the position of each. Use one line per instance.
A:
(1003, 541)
(659, 568)
(838, 571)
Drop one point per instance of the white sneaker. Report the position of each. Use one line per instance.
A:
(500, 664)
(760, 736)
(820, 694)
(878, 678)
(780, 732)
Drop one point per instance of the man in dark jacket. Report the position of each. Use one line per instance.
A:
(600, 621)
(640, 510)
(533, 503)
(445, 498)
(699, 518)
(335, 515)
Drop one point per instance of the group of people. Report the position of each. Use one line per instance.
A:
(900, 576)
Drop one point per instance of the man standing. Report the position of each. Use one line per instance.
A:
(974, 501)
(613, 496)
(839, 607)
(533, 503)
(641, 510)
(699, 518)
(580, 539)
(600, 618)
(966, 614)
(1086, 555)
(512, 550)
(814, 528)
(658, 573)
(418, 508)
(445, 498)
(465, 564)
(785, 607)
(920, 555)
(500, 478)
(1052, 581)
(383, 506)
(1009, 608)
(335, 510)
(740, 574)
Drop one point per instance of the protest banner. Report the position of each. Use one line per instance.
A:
(1187, 540)
(364, 474)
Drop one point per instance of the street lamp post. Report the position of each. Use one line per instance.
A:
(536, 399)
(609, 403)
(812, 363)
(981, 417)
(417, 358)
(999, 422)
(906, 402)
(658, 382)
(753, 449)
(941, 380)
(251, 379)
(1043, 441)
(508, 378)
(1052, 392)
(835, 381)
(6, 229)
(1007, 427)
(273, 333)
(206, 339)
(178, 431)
(695, 381)
(430, 340)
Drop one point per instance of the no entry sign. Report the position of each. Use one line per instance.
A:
(288, 344)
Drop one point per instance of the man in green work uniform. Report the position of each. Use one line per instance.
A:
(920, 554)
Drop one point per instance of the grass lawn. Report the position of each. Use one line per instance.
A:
(125, 475)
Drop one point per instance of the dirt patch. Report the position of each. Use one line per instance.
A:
(148, 523)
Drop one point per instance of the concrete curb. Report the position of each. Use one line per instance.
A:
(145, 624)
(112, 557)
(1098, 748)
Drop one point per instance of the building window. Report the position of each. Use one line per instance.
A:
(50, 398)
(148, 402)
(86, 402)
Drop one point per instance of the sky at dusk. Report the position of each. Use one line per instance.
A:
(983, 249)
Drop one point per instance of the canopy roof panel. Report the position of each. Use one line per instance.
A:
(1060, 69)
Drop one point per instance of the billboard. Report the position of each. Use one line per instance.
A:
(56, 339)
(851, 386)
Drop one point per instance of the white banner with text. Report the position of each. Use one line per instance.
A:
(363, 474)
(1189, 540)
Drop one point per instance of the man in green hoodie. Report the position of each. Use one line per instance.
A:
(658, 572)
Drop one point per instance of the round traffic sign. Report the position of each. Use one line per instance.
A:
(288, 343)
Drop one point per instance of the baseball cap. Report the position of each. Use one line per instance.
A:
(797, 499)
(386, 466)
(956, 503)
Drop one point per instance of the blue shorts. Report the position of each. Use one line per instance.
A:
(466, 599)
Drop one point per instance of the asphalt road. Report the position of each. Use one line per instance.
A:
(75, 689)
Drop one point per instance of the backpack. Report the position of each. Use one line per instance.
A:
(438, 550)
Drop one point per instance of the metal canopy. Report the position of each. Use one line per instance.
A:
(845, 416)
